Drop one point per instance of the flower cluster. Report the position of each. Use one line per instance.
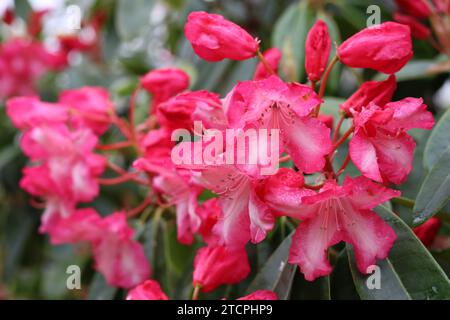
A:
(60, 139)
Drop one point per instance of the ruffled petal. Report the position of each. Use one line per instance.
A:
(364, 156)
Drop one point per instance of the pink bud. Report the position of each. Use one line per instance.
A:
(379, 93)
(416, 8)
(427, 232)
(386, 48)
(148, 290)
(318, 47)
(214, 38)
(165, 83)
(418, 30)
(273, 57)
(215, 266)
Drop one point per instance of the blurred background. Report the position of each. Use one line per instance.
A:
(111, 43)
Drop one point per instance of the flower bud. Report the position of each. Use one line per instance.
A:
(418, 30)
(386, 48)
(215, 266)
(415, 8)
(427, 232)
(214, 38)
(378, 92)
(318, 47)
(165, 83)
(148, 290)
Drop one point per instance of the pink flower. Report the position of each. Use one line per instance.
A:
(317, 50)
(327, 120)
(29, 112)
(117, 256)
(342, 213)
(22, 63)
(427, 232)
(214, 38)
(273, 58)
(386, 48)
(380, 93)
(91, 107)
(418, 9)
(260, 295)
(81, 225)
(164, 84)
(179, 190)
(215, 266)
(69, 163)
(181, 110)
(380, 148)
(148, 290)
(273, 104)
(418, 30)
(209, 212)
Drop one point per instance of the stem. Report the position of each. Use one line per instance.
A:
(265, 63)
(284, 159)
(405, 202)
(344, 165)
(144, 204)
(323, 83)
(132, 108)
(338, 128)
(342, 139)
(196, 292)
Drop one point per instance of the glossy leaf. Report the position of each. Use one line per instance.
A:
(438, 141)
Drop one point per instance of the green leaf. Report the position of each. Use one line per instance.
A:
(100, 290)
(277, 274)
(438, 141)
(435, 190)
(410, 270)
(178, 256)
(414, 70)
(132, 17)
(391, 287)
(303, 289)
(341, 280)
(290, 35)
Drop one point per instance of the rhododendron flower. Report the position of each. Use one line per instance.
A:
(69, 161)
(117, 256)
(418, 30)
(215, 266)
(427, 232)
(273, 104)
(386, 48)
(164, 84)
(209, 212)
(416, 8)
(179, 191)
(90, 107)
(148, 290)
(342, 213)
(317, 50)
(260, 295)
(378, 92)
(22, 63)
(273, 58)
(157, 145)
(380, 148)
(181, 110)
(214, 38)
(81, 225)
(29, 112)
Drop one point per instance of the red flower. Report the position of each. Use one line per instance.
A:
(260, 295)
(164, 84)
(380, 148)
(427, 232)
(148, 290)
(215, 266)
(385, 48)
(317, 51)
(342, 213)
(273, 57)
(418, 30)
(416, 8)
(214, 38)
(379, 93)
